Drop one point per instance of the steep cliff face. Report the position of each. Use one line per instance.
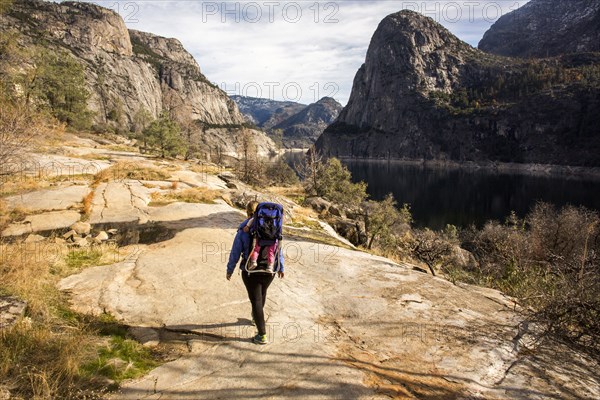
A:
(302, 129)
(424, 94)
(546, 28)
(125, 70)
(407, 54)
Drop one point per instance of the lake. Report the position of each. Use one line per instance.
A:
(461, 197)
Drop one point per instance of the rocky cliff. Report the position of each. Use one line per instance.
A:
(301, 130)
(424, 94)
(125, 70)
(546, 28)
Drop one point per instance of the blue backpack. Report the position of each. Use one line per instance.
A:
(267, 226)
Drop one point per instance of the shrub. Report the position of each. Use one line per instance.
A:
(383, 218)
(335, 184)
(550, 262)
(279, 173)
(164, 135)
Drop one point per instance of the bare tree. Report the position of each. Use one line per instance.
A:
(19, 124)
(249, 166)
(310, 169)
(430, 248)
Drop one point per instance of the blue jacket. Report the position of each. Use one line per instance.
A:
(241, 247)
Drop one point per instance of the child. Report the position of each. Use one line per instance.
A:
(256, 251)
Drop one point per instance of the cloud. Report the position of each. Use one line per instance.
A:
(292, 50)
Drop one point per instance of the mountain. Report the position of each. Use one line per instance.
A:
(266, 113)
(127, 70)
(301, 130)
(422, 94)
(546, 28)
(293, 124)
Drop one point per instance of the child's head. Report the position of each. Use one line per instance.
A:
(251, 207)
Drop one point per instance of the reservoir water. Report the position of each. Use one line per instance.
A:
(440, 196)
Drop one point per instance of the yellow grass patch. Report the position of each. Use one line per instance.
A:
(193, 195)
(127, 170)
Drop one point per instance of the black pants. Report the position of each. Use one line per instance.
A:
(257, 285)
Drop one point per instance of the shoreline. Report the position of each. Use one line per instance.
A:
(538, 170)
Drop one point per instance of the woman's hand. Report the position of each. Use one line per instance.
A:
(229, 276)
(280, 275)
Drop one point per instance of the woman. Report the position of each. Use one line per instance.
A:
(256, 283)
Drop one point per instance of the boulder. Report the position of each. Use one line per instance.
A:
(33, 238)
(349, 229)
(463, 258)
(70, 235)
(318, 204)
(102, 236)
(11, 309)
(336, 211)
(81, 228)
(81, 242)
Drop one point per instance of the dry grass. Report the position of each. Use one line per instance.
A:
(18, 184)
(193, 195)
(87, 204)
(121, 147)
(91, 156)
(305, 217)
(209, 169)
(125, 170)
(10, 215)
(287, 191)
(54, 352)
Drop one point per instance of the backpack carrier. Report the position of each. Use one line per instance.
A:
(266, 229)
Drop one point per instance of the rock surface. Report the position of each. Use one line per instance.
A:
(342, 324)
(120, 201)
(361, 327)
(422, 94)
(11, 309)
(546, 28)
(51, 199)
(49, 221)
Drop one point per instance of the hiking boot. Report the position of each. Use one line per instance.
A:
(260, 339)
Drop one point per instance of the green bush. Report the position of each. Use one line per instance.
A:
(59, 83)
(164, 135)
(335, 184)
(279, 173)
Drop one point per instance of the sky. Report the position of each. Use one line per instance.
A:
(292, 50)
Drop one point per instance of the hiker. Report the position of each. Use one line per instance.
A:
(259, 278)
